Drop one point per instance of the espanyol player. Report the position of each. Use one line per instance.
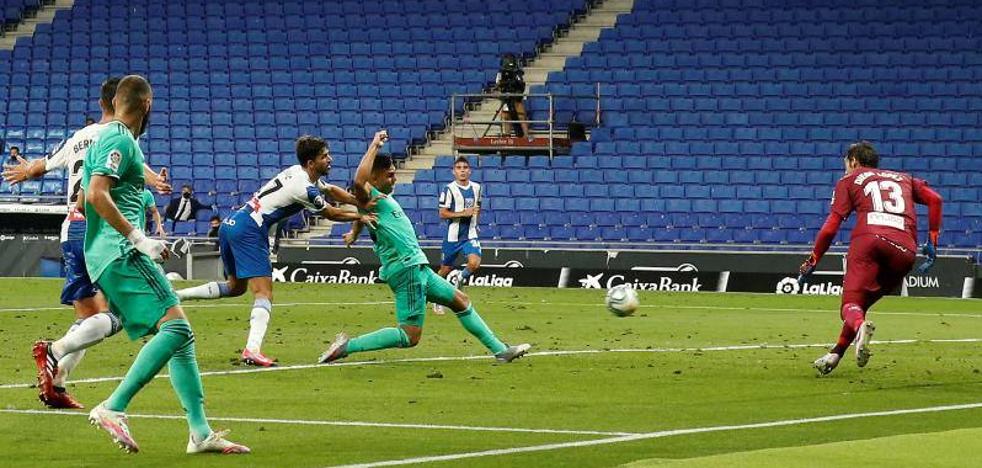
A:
(460, 205)
(243, 238)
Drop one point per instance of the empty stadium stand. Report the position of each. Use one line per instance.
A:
(237, 82)
(724, 121)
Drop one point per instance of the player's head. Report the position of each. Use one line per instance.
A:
(313, 155)
(133, 98)
(861, 154)
(106, 94)
(383, 173)
(14, 151)
(462, 170)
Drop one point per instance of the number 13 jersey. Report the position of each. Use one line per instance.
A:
(883, 201)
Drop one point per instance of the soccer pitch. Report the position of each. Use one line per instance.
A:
(690, 380)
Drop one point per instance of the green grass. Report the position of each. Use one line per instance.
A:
(638, 392)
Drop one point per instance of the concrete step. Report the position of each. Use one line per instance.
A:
(556, 62)
(624, 5)
(600, 18)
(585, 34)
(26, 28)
(567, 47)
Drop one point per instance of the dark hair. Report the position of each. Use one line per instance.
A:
(382, 162)
(309, 148)
(462, 159)
(108, 91)
(215, 218)
(15, 148)
(863, 153)
(132, 89)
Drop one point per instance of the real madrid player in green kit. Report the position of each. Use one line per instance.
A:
(406, 270)
(120, 259)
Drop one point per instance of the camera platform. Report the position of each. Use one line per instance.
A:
(537, 144)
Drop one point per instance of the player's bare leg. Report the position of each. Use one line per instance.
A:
(233, 287)
(262, 306)
(443, 272)
(473, 263)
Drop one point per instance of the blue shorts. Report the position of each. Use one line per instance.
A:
(244, 247)
(466, 247)
(78, 286)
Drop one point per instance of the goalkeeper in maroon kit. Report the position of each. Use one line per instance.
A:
(883, 245)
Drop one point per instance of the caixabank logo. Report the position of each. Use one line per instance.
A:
(327, 274)
(789, 285)
(644, 280)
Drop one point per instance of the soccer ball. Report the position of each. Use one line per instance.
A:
(622, 300)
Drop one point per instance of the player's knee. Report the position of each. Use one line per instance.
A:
(413, 334)
(236, 288)
(460, 301)
(87, 307)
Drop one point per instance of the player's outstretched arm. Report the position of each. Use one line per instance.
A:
(157, 181)
(351, 236)
(24, 170)
(822, 242)
(337, 214)
(935, 205)
(337, 194)
(925, 196)
(364, 171)
(98, 196)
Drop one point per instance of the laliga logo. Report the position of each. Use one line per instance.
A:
(788, 286)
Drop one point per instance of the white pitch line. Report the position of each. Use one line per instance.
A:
(753, 309)
(661, 434)
(478, 357)
(192, 305)
(315, 422)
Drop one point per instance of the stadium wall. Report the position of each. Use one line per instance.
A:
(671, 271)
(682, 271)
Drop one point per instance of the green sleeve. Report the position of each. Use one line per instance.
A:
(114, 155)
(148, 200)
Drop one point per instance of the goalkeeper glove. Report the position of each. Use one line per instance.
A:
(806, 268)
(930, 250)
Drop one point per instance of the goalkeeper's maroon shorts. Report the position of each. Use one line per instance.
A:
(875, 266)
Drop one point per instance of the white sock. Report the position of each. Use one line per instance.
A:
(212, 290)
(258, 322)
(83, 334)
(87, 333)
(59, 380)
